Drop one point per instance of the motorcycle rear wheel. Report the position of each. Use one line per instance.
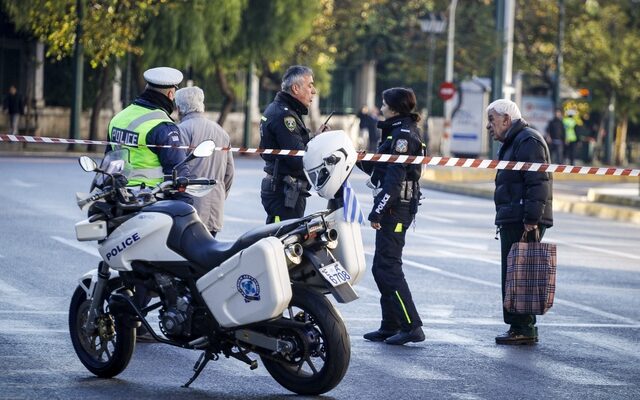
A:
(323, 352)
(107, 350)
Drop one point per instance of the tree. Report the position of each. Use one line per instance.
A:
(602, 46)
(110, 27)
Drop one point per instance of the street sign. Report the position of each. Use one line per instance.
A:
(446, 90)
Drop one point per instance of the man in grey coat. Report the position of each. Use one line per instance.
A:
(195, 128)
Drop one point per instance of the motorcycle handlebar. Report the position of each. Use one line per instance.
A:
(95, 197)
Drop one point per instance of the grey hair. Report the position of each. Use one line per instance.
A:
(505, 107)
(190, 99)
(293, 75)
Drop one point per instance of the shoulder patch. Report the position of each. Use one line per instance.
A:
(290, 123)
(397, 123)
(402, 145)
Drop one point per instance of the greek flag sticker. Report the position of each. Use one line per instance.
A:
(352, 211)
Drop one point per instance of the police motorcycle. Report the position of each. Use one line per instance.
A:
(263, 295)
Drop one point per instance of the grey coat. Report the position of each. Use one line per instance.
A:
(195, 128)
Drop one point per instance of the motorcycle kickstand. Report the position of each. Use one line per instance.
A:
(204, 358)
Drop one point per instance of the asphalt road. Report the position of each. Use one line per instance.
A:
(589, 341)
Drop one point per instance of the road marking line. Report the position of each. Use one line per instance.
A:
(534, 362)
(495, 285)
(597, 249)
(496, 322)
(80, 246)
(607, 342)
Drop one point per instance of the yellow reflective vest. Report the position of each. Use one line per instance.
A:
(129, 128)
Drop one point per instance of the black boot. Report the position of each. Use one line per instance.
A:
(379, 335)
(414, 335)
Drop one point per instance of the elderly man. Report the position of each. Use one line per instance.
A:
(523, 199)
(196, 128)
(285, 188)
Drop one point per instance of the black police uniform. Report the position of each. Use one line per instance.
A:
(395, 208)
(285, 189)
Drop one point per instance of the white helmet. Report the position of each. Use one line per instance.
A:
(328, 161)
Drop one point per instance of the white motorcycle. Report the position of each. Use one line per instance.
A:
(264, 294)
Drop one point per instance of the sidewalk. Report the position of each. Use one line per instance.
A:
(611, 197)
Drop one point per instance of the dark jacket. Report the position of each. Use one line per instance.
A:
(282, 128)
(523, 196)
(555, 129)
(13, 104)
(401, 136)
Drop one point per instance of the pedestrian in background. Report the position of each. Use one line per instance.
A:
(571, 138)
(556, 137)
(523, 199)
(396, 200)
(285, 189)
(195, 128)
(13, 104)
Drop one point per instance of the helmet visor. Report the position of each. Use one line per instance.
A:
(319, 176)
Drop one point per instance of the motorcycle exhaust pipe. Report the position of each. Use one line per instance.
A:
(330, 238)
(294, 253)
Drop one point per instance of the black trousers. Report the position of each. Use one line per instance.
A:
(520, 323)
(398, 310)
(273, 203)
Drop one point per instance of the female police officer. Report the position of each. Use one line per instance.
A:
(397, 193)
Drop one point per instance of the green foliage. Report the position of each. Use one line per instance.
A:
(602, 53)
(110, 26)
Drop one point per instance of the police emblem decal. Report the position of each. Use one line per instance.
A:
(248, 287)
(402, 145)
(290, 123)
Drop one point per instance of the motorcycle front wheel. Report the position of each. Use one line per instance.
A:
(107, 349)
(323, 349)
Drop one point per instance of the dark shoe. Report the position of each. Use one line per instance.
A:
(379, 335)
(511, 337)
(415, 335)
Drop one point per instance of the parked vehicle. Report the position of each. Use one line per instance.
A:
(263, 295)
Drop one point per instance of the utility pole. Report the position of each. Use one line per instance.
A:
(448, 107)
(433, 25)
(559, 56)
(78, 70)
(247, 106)
(502, 86)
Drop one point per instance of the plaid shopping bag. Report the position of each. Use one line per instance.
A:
(531, 277)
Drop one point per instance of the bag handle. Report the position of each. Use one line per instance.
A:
(525, 236)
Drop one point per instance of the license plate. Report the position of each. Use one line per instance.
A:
(335, 274)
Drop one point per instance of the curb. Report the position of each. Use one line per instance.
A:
(563, 203)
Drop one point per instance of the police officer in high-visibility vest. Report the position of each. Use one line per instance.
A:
(147, 122)
(285, 188)
(395, 204)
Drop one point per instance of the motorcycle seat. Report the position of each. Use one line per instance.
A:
(190, 238)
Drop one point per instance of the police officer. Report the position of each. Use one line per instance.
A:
(147, 121)
(284, 190)
(397, 194)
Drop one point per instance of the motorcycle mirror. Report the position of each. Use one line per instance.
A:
(87, 164)
(204, 149)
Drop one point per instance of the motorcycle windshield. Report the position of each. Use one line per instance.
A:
(114, 162)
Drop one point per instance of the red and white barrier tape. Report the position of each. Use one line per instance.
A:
(387, 158)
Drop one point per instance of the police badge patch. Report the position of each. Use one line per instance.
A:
(290, 123)
(402, 146)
